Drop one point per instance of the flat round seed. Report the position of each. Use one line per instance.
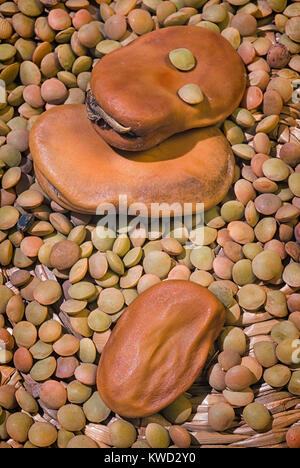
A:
(122, 434)
(262, 145)
(290, 153)
(11, 177)
(64, 254)
(131, 277)
(6, 252)
(100, 339)
(77, 392)
(87, 351)
(72, 306)
(6, 29)
(182, 59)
(179, 272)
(7, 51)
(42, 434)
(292, 29)
(89, 35)
(157, 263)
(98, 265)
(26, 401)
(54, 91)
(78, 271)
(71, 417)
(99, 321)
(246, 51)
(10, 156)
(66, 367)
(203, 235)
(6, 340)
(179, 411)
(133, 257)
(109, 280)
(294, 383)
(30, 246)
(283, 331)
(103, 238)
(67, 345)
(267, 265)
(232, 210)
(220, 416)
(111, 300)
(44, 369)
(50, 331)
(59, 19)
(244, 191)
(146, 281)
(140, 21)
(107, 46)
(79, 323)
(41, 350)
(272, 103)
(8, 217)
(23, 359)
(291, 274)
(95, 409)
(86, 374)
(265, 229)
(53, 394)
(82, 291)
(275, 169)
(81, 17)
(257, 416)
(294, 183)
(240, 232)
(243, 151)
(115, 27)
(264, 185)
(222, 267)
(228, 359)
(202, 258)
(233, 251)
(30, 73)
(115, 263)
(171, 246)
(157, 436)
(233, 133)
(238, 378)
(78, 234)
(277, 376)
(276, 304)
(191, 93)
(47, 292)
(202, 277)
(25, 334)
(202, 24)
(277, 246)
(267, 203)
(251, 297)
(36, 313)
(61, 223)
(30, 199)
(180, 436)
(121, 245)
(252, 98)
(287, 213)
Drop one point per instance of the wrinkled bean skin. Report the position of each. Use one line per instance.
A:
(112, 76)
(143, 369)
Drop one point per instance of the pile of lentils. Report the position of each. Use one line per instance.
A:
(63, 286)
